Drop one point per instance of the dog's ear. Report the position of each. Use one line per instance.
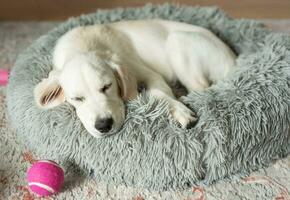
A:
(127, 83)
(126, 80)
(48, 93)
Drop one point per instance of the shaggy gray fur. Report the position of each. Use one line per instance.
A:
(243, 120)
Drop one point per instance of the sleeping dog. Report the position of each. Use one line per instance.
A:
(97, 68)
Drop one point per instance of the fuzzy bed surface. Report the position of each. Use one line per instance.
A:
(243, 120)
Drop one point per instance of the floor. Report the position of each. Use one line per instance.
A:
(270, 183)
(50, 10)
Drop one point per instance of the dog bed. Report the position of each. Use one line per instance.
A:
(243, 120)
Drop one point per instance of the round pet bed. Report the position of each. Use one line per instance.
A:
(243, 120)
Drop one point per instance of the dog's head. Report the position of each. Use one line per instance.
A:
(95, 86)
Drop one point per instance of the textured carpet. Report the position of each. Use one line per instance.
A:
(270, 183)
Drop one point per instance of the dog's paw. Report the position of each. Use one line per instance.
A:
(184, 116)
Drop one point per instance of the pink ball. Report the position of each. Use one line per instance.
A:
(4, 74)
(45, 177)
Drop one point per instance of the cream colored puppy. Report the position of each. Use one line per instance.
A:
(97, 67)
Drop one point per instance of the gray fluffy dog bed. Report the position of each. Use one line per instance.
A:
(243, 120)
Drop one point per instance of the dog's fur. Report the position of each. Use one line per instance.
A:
(97, 67)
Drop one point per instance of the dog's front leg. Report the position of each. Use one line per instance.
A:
(159, 89)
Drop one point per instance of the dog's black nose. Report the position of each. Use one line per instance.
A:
(104, 125)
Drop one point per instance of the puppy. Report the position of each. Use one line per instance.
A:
(97, 68)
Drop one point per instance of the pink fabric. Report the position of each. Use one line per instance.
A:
(4, 74)
(47, 173)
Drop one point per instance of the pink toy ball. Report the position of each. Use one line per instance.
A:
(45, 178)
(4, 74)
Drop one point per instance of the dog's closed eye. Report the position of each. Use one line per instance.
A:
(79, 99)
(106, 87)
